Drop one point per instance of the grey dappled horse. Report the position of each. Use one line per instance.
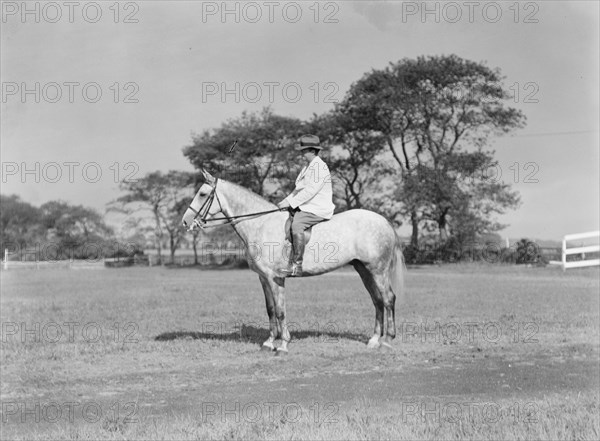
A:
(360, 238)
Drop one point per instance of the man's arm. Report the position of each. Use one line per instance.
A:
(316, 181)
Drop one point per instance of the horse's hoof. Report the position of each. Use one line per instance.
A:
(267, 348)
(373, 344)
(281, 352)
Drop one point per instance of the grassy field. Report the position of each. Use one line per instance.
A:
(482, 352)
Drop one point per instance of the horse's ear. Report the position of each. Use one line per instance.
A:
(208, 178)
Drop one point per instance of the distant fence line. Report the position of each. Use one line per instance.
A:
(58, 264)
(229, 253)
(16, 261)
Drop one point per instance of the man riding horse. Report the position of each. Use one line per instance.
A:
(311, 201)
(361, 238)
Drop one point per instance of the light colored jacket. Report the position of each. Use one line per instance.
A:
(313, 192)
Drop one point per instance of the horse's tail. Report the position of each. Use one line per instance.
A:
(397, 270)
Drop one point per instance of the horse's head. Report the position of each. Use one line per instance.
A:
(202, 206)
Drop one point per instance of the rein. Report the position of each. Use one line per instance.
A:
(204, 209)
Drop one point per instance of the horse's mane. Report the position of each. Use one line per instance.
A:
(249, 195)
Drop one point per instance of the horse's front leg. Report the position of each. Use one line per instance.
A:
(270, 303)
(278, 285)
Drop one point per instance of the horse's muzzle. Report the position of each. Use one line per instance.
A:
(195, 224)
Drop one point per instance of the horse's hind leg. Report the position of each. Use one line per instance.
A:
(377, 298)
(389, 304)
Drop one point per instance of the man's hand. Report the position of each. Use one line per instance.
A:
(283, 204)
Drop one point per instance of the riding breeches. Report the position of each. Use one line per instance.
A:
(299, 221)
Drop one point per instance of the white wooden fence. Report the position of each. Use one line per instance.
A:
(581, 250)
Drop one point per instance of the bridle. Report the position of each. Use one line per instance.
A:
(202, 212)
(200, 219)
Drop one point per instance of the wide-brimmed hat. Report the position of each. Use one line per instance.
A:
(309, 142)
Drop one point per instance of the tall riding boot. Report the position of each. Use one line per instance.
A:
(298, 245)
(298, 248)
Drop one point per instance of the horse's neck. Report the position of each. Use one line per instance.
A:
(238, 201)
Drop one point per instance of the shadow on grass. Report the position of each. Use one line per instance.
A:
(253, 334)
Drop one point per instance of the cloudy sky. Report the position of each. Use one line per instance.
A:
(93, 93)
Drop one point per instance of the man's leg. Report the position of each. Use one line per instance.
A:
(288, 227)
(301, 222)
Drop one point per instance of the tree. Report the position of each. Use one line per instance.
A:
(459, 199)
(74, 223)
(79, 230)
(20, 223)
(195, 238)
(263, 155)
(429, 110)
(55, 230)
(161, 199)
